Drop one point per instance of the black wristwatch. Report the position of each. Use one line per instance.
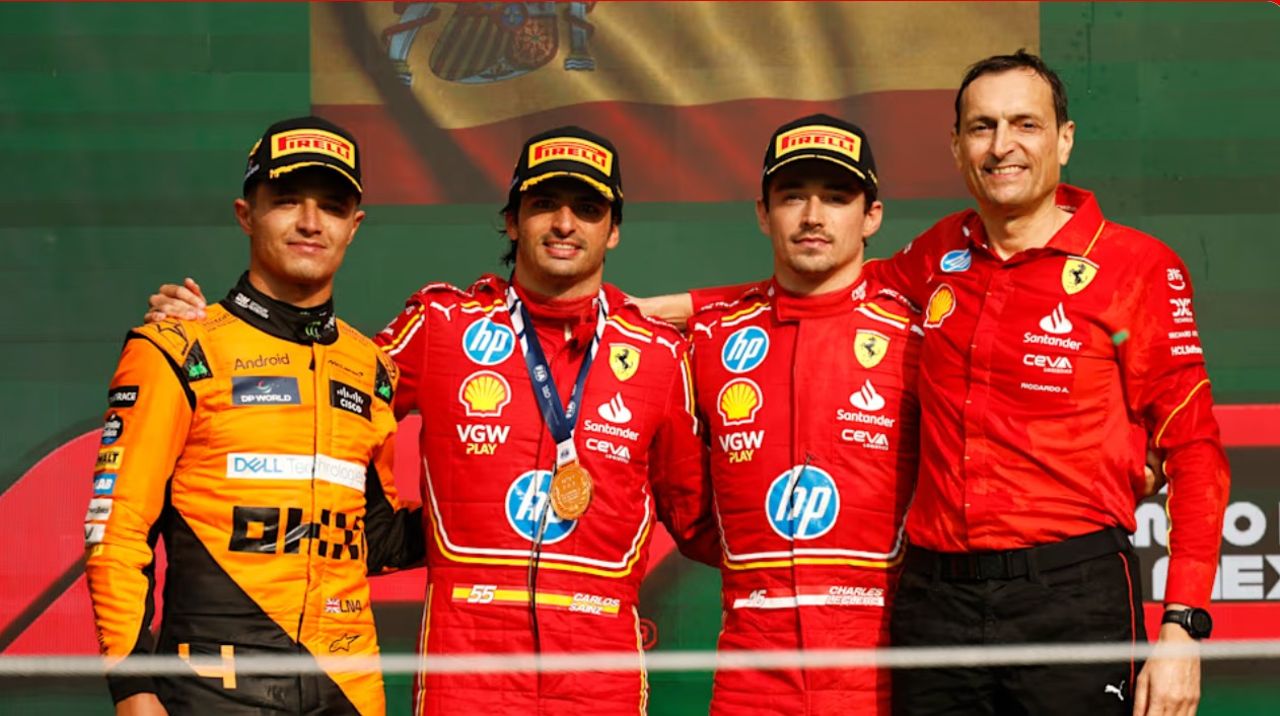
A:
(1196, 621)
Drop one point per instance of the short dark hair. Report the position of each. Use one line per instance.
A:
(1021, 59)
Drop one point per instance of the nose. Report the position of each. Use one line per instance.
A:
(309, 217)
(811, 214)
(562, 220)
(1002, 139)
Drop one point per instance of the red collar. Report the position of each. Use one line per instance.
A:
(790, 306)
(1075, 238)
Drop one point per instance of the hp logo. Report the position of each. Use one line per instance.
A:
(804, 506)
(526, 499)
(488, 343)
(745, 349)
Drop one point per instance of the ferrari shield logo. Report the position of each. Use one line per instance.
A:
(1077, 274)
(624, 360)
(869, 348)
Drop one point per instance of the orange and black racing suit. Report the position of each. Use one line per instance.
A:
(258, 443)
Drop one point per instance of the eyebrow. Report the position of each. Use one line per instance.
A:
(1014, 118)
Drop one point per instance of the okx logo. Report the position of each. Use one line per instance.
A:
(803, 503)
(488, 343)
(527, 508)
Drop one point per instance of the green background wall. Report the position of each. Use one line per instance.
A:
(123, 130)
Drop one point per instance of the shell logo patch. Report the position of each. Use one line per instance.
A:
(739, 401)
(484, 394)
(941, 304)
(624, 360)
(1077, 273)
(870, 347)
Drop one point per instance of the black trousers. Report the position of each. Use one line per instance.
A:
(939, 604)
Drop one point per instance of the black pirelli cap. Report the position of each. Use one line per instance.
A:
(571, 152)
(304, 142)
(821, 136)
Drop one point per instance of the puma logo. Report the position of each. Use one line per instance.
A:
(1117, 690)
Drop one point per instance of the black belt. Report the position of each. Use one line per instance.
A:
(1015, 563)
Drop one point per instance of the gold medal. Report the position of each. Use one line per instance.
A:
(570, 491)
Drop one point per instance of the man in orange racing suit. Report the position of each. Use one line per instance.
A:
(258, 442)
(807, 384)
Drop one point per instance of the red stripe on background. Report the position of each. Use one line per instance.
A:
(43, 514)
(1249, 425)
(699, 153)
(1231, 620)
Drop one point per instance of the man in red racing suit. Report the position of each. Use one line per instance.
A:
(807, 385)
(489, 456)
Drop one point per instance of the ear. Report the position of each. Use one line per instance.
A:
(1066, 140)
(244, 216)
(955, 149)
(509, 217)
(762, 217)
(871, 221)
(615, 237)
(355, 225)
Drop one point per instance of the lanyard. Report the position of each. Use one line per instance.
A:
(560, 419)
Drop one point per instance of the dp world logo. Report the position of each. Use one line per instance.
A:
(745, 349)
(488, 343)
(956, 261)
(804, 505)
(526, 500)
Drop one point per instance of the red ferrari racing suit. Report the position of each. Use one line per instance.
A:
(488, 458)
(812, 413)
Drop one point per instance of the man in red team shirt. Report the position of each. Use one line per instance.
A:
(807, 386)
(1055, 343)
(557, 421)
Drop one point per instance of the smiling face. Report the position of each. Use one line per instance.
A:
(562, 228)
(299, 228)
(818, 222)
(1009, 145)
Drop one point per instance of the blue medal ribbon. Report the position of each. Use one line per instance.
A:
(560, 418)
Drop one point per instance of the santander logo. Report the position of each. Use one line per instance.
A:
(615, 411)
(866, 398)
(1056, 322)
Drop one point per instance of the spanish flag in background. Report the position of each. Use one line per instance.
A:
(441, 95)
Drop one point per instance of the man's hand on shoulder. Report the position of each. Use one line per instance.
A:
(1169, 685)
(674, 308)
(141, 705)
(174, 301)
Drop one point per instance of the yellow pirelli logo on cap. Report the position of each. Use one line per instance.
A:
(571, 149)
(313, 141)
(819, 136)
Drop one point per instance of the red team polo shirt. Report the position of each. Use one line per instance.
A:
(1041, 377)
